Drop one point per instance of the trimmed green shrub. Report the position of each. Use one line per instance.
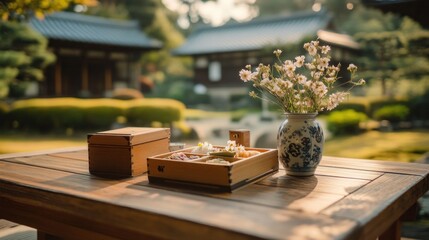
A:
(145, 115)
(358, 107)
(59, 114)
(345, 122)
(375, 105)
(393, 113)
(101, 117)
(45, 119)
(142, 112)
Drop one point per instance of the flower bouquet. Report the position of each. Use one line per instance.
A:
(301, 87)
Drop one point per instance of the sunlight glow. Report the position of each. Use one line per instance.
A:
(316, 7)
(215, 13)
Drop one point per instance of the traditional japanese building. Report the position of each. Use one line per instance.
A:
(94, 55)
(220, 52)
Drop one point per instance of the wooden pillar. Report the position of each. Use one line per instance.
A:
(108, 84)
(58, 78)
(85, 80)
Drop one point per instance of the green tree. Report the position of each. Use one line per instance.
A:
(394, 48)
(21, 10)
(23, 56)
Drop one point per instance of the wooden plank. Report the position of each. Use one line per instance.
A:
(52, 162)
(288, 192)
(378, 204)
(42, 152)
(128, 207)
(318, 183)
(347, 172)
(376, 165)
(75, 155)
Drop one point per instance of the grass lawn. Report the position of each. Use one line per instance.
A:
(402, 146)
(18, 142)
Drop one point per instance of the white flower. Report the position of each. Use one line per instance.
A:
(312, 50)
(301, 79)
(324, 62)
(230, 145)
(302, 90)
(352, 68)
(325, 49)
(316, 76)
(319, 89)
(315, 43)
(265, 82)
(310, 66)
(265, 75)
(330, 79)
(248, 66)
(306, 45)
(288, 84)
(335, 99)
(299, 61)
(289, 66)
(245, 75)
(277, 52)
(278, 91)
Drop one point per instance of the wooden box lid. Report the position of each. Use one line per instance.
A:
(128, 136)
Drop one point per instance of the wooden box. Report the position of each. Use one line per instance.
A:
(123, 152)
(240, 136)
(212, 176)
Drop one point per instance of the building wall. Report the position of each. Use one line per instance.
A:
(82, 72)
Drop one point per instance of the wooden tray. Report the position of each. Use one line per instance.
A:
(212, 176)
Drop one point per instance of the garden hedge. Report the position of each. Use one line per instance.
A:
(392, 113)
(58, 114)
(345, 122)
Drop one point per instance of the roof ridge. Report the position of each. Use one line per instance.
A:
(90, 19)
(270, 19)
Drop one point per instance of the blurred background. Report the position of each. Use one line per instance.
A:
(71, 67)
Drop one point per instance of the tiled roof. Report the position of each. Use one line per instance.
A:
(90, 29)
(254, 34)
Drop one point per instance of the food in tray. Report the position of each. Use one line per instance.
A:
(182, 156)
(246, 154)
(203, 148)
(223, 154)
(231, 150)
(218, 161)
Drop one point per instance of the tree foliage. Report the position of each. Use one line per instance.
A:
(20, 10)
(23, 56)
(394, 48)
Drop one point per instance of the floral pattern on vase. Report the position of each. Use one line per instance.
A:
(300, 144)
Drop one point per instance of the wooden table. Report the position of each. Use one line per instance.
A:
(346, 199)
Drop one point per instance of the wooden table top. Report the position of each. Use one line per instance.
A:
(346, 199)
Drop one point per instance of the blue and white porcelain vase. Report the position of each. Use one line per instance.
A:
(300, 144)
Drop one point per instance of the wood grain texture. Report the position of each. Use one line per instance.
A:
(377, 205)
(134, 209)
(376, 165)
(346, 199)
